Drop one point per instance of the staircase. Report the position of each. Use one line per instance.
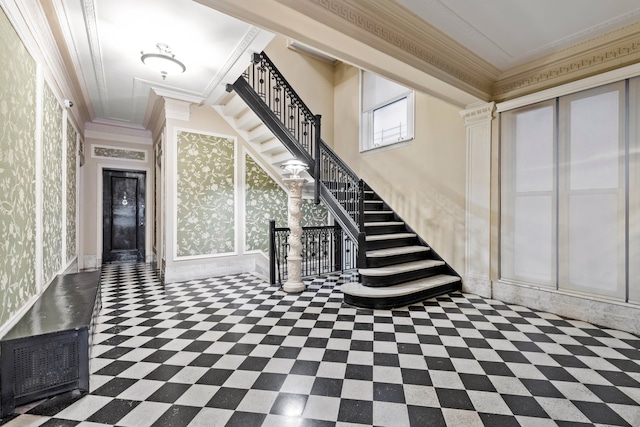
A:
(395, 266)
(401, 268)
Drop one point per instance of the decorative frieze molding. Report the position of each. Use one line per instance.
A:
(406, 36)
(613, 50)
(478, 114)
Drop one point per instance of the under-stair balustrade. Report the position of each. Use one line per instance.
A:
(325, 249)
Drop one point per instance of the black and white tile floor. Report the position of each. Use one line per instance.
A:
(235, 351)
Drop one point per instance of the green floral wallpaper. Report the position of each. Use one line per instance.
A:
(205, 194)
(17, 172)
(52, 184)
(71, 191)
(266, 200)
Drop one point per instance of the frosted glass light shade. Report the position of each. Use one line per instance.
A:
(163, 63)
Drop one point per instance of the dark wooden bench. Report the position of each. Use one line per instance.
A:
(47, 351)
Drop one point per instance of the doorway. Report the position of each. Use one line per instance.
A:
(123, 216)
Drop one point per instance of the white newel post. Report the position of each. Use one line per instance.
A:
(294, 282)
(477, 275)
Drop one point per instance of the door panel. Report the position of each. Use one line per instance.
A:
(123, 216)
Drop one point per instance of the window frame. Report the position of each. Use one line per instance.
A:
(367, 122)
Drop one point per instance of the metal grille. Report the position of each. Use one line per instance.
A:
(41, 367)
(325, 250)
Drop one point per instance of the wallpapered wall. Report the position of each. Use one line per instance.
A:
(266, 200)
(205, 194)
(71, 191)
(17, 172)
(19, 115)
(52, 185)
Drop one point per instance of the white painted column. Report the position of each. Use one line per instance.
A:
(294, 282)
(477, 120)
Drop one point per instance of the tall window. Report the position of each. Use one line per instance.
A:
(564, 193)
(387, 112)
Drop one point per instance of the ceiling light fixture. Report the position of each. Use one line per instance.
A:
(163, 61)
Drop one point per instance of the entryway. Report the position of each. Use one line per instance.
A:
(123, 216)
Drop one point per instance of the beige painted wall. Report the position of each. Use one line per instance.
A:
(424, 181)
(311, 78)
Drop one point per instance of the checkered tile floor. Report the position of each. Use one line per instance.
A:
(235, 351)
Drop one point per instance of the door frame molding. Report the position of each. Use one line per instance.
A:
(147, 216)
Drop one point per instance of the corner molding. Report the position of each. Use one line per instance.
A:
(478, 114)
(177, 109)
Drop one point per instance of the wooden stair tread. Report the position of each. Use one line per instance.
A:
(382, 223)
(402, 250)
(378, 212)
(407, 288)
(400, 268)
(392, 236)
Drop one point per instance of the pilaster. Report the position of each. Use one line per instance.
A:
(476, 278)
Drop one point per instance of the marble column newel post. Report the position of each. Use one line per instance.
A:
(294, 282)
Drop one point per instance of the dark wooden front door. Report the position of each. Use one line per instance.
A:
(123, 229)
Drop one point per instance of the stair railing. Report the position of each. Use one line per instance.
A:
(269, 94)
(325, 250)
(283, 101)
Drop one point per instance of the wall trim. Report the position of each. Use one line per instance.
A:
(598, 311)
(174, 203)
(212, 268)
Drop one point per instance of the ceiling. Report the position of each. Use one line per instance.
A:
(509, 33)
(105, 39)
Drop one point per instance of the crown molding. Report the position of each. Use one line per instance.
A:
(116, 132)
(616, 49)
(177, 109)
(396, 31)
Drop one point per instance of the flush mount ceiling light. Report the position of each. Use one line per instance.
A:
(163, 61)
